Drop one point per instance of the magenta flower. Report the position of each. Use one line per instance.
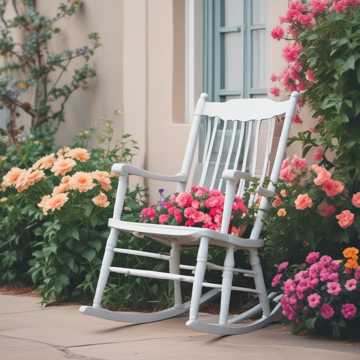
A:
(350, 285)
(276, 280)
(349, 311)
(333, 288)
(314, 300)
(326, 311)
(312, 257)
(282, 266)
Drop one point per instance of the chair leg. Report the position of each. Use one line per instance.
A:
(226, 286)
(198, 279)
(175, 269)
(106, 263)
(259, 282)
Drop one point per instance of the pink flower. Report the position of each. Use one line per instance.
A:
(277, 33)
(349, 311)
(318, 154)
(297, 119)
(318, 6)
(326, 311)
(214, 201)
(273, 78)
(303, 201)
(310, 76)
(276, 280)
(163, 218)
(322, 175)
(345, 219)
(286, 174)
(326, 259)
(277, 201)
(332, 187)
(199, 191)
(178, 216)
(195, 204)
(289, 286)
(148, 213)
(183, 199)
(312, 257)
(291, 52)
(356, 200)
(357, 274)
(314, 300)
(333, 288)
(275, 91)
(282, 266)
(298, 163)
(325, 209)
(350, 285)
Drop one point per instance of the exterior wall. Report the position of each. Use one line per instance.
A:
(138, 70)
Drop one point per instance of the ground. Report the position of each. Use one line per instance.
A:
(31, 332)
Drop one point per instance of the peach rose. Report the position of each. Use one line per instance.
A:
(101, 200)
(345, 219)
(303, 201)
(332, 187)
(11, 177)
(57, 201)
(63, 151)
(281, 212)
(356, 200)
(79, 154)
(63, 166)
(61, 188)
(322, 175)
(28, 178)
(103, 178)
(43, 204)
(45, 162)
(82, 181)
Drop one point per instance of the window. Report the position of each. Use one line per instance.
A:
(234, 48)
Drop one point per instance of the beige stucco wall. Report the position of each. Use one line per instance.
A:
(136, 68)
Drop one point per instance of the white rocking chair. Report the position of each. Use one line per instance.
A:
(238, 143)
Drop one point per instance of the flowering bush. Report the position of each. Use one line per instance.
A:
(323, 63)
(312, 210)
(200, 207)
(322, 295)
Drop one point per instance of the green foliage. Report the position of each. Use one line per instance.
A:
(31, 67)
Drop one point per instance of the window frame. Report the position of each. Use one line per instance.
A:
(214, 68)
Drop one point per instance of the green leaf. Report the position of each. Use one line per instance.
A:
(89, 254)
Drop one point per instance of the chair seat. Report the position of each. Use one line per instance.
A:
(183, 235)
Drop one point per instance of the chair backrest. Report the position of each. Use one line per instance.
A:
(238, 134)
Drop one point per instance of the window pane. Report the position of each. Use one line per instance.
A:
(258, 80)
(233, 12)
(233, 61)
(258, 12)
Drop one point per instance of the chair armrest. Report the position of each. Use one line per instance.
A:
(236, 175)
(127, 169)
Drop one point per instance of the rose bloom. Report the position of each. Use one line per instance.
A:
(163, 218)
(345, 219)
(349, 311)
(277, 33)
(322, 175)
(28, 178)
(183, 199)
(332, 187)
(61, 188)
(318, 154)
(286, 174)
(312, 257)
(276, 202)
(351, 264)
(45, 162)
(303, 201)
(326, 311)
(79, 154)
(281, 212)
(52, 203)
(103, 178)
(82, 181)
(101, 200)
(63, 166)
(11, 177)
(356, 200)
(298, 163)
(325, 209)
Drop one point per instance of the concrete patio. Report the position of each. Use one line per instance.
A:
(28, 331)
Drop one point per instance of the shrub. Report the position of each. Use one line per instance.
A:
(312, 210)
(322, 295)
(324, 64)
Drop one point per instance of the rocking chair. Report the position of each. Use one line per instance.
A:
(236, 150)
